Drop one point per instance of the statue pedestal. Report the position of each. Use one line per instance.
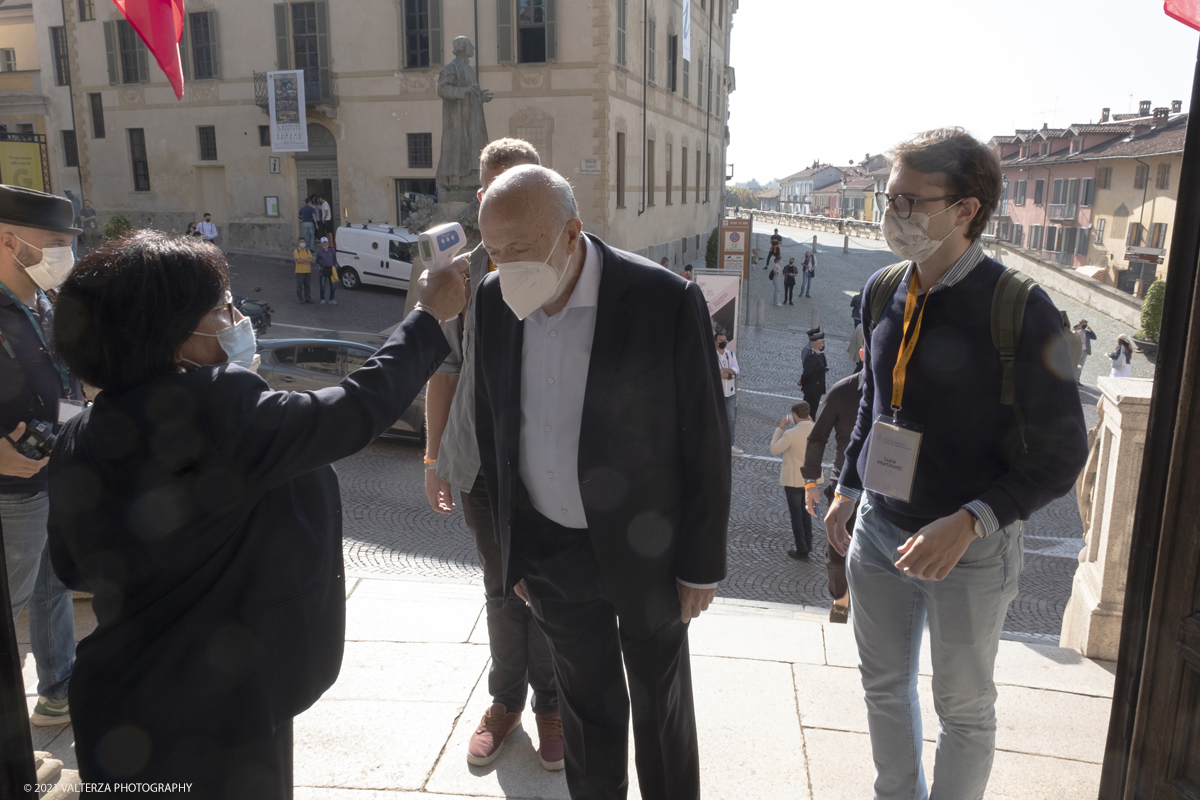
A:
(452, 208)
(456, 194)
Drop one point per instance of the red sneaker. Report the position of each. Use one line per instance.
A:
(550, 739)
(489, 737)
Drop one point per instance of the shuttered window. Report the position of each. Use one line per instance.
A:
(202, 40)
(620, 170)
(70, 149)
(128, 58)
(96, 102)
(650, 57)
(138, 160)
(58, 51)
(422, 33)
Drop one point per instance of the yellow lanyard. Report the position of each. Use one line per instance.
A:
(906, 350)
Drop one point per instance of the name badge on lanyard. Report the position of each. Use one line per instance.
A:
(895, 445)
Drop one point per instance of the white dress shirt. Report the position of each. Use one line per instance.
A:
(207, 229)
(554, 366)
(727, 360)
(326, 215)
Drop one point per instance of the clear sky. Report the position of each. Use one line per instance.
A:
(835, 80)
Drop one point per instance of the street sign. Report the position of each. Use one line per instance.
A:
(734, 248)
(591, 166)
(1142, 259)
(1157, 252)
(273, 165)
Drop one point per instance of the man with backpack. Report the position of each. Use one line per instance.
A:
(970, 422)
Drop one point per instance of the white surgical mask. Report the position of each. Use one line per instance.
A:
(529, 285)
(52, 270)
(237, 341)
(909, 238)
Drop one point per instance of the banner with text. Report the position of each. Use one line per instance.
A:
(21, 165)
(721, 291)
(735, 246)
(285, 101)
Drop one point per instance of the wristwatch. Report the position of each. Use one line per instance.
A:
(979, 531)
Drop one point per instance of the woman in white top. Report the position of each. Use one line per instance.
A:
(1122, 358)
(791, 444)
(776, 274)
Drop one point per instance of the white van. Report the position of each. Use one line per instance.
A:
(374, 253)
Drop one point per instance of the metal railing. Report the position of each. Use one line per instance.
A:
(1002, 209)
(1062, 210)
(320, 88)
(858, 228)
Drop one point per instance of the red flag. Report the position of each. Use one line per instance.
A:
(1186, 11)
(160, 24)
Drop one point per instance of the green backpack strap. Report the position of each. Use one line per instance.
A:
(884, 288)
(1008, 315)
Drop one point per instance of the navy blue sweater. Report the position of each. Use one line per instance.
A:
(971, 447)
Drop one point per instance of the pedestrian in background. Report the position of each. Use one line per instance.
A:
(776, 243)
(854, 350)
(810, 272)
(303, 258)
(812, 374)
(223, 616)
(837, 416)
(791, 443)
(1122, 358)
(727, 361)
(35, 386)
(689, 273)
(777, 280)
(856, 309)
(191, 230)
(326, 216)
(327, 265)
(1075, 342)
(665, 262)
(206, 228)
(308, 220)
(790, 272)
(1086, 337)
(87, 221)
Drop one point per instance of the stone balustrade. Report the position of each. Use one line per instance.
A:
(857, 228)
(1107, 492)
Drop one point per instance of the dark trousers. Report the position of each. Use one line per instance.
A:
(814, 402)
(801, 520)
(588, 644)
(835, 562)
(771, 256)
(520, 653)
(303, 293)
(789, 284)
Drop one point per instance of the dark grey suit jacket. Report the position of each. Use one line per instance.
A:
(654, 462)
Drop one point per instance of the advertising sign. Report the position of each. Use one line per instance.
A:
(21, 165)
(735, 246)
(721, 292)
(285, 102)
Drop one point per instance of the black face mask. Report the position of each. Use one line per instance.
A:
(721, 345)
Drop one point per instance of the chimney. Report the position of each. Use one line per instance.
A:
(1144, 108)
(1104, 114)
(1176, 106)
(1160, 116)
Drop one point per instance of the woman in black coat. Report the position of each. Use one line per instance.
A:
(200, 509)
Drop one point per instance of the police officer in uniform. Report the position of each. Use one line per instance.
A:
(36, 234)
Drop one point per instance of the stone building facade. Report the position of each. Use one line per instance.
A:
(600, 88)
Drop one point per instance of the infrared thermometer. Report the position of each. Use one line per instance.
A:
(439, 245)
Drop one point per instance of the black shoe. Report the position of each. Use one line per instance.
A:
(792, 554)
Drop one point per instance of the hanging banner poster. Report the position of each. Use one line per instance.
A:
(285, 103)
(21, 165)
(721, 291)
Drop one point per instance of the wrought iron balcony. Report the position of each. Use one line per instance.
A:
(1062, 210)
(320, 88)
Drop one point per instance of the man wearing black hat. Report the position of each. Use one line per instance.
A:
(36, 233)
(812, 375)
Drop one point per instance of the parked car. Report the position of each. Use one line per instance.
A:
(304, 364)
(374, 254)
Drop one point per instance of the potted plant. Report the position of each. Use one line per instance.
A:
(1146, 339)
(117, 226)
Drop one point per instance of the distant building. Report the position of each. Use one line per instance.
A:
(1090, 194)
(796, 190)
(648, 167)
(767, 199)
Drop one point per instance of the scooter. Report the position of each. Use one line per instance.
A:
(257, 311)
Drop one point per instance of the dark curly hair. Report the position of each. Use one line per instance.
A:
(125, 309)
(970, 167)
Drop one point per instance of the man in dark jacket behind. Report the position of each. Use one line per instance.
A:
(812, 374)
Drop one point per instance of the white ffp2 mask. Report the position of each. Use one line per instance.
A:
(238, 342)
(528, 285)
(52, 270)
(909, 238)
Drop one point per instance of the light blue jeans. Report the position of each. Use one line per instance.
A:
(805, 283)
(31, 580)
(965, 612)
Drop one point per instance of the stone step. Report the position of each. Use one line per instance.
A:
(67, 787)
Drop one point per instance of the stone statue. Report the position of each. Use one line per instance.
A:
(464, 132)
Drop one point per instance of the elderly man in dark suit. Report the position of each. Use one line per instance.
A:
(605, 446)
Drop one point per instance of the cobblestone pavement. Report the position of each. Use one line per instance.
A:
(389, 527)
